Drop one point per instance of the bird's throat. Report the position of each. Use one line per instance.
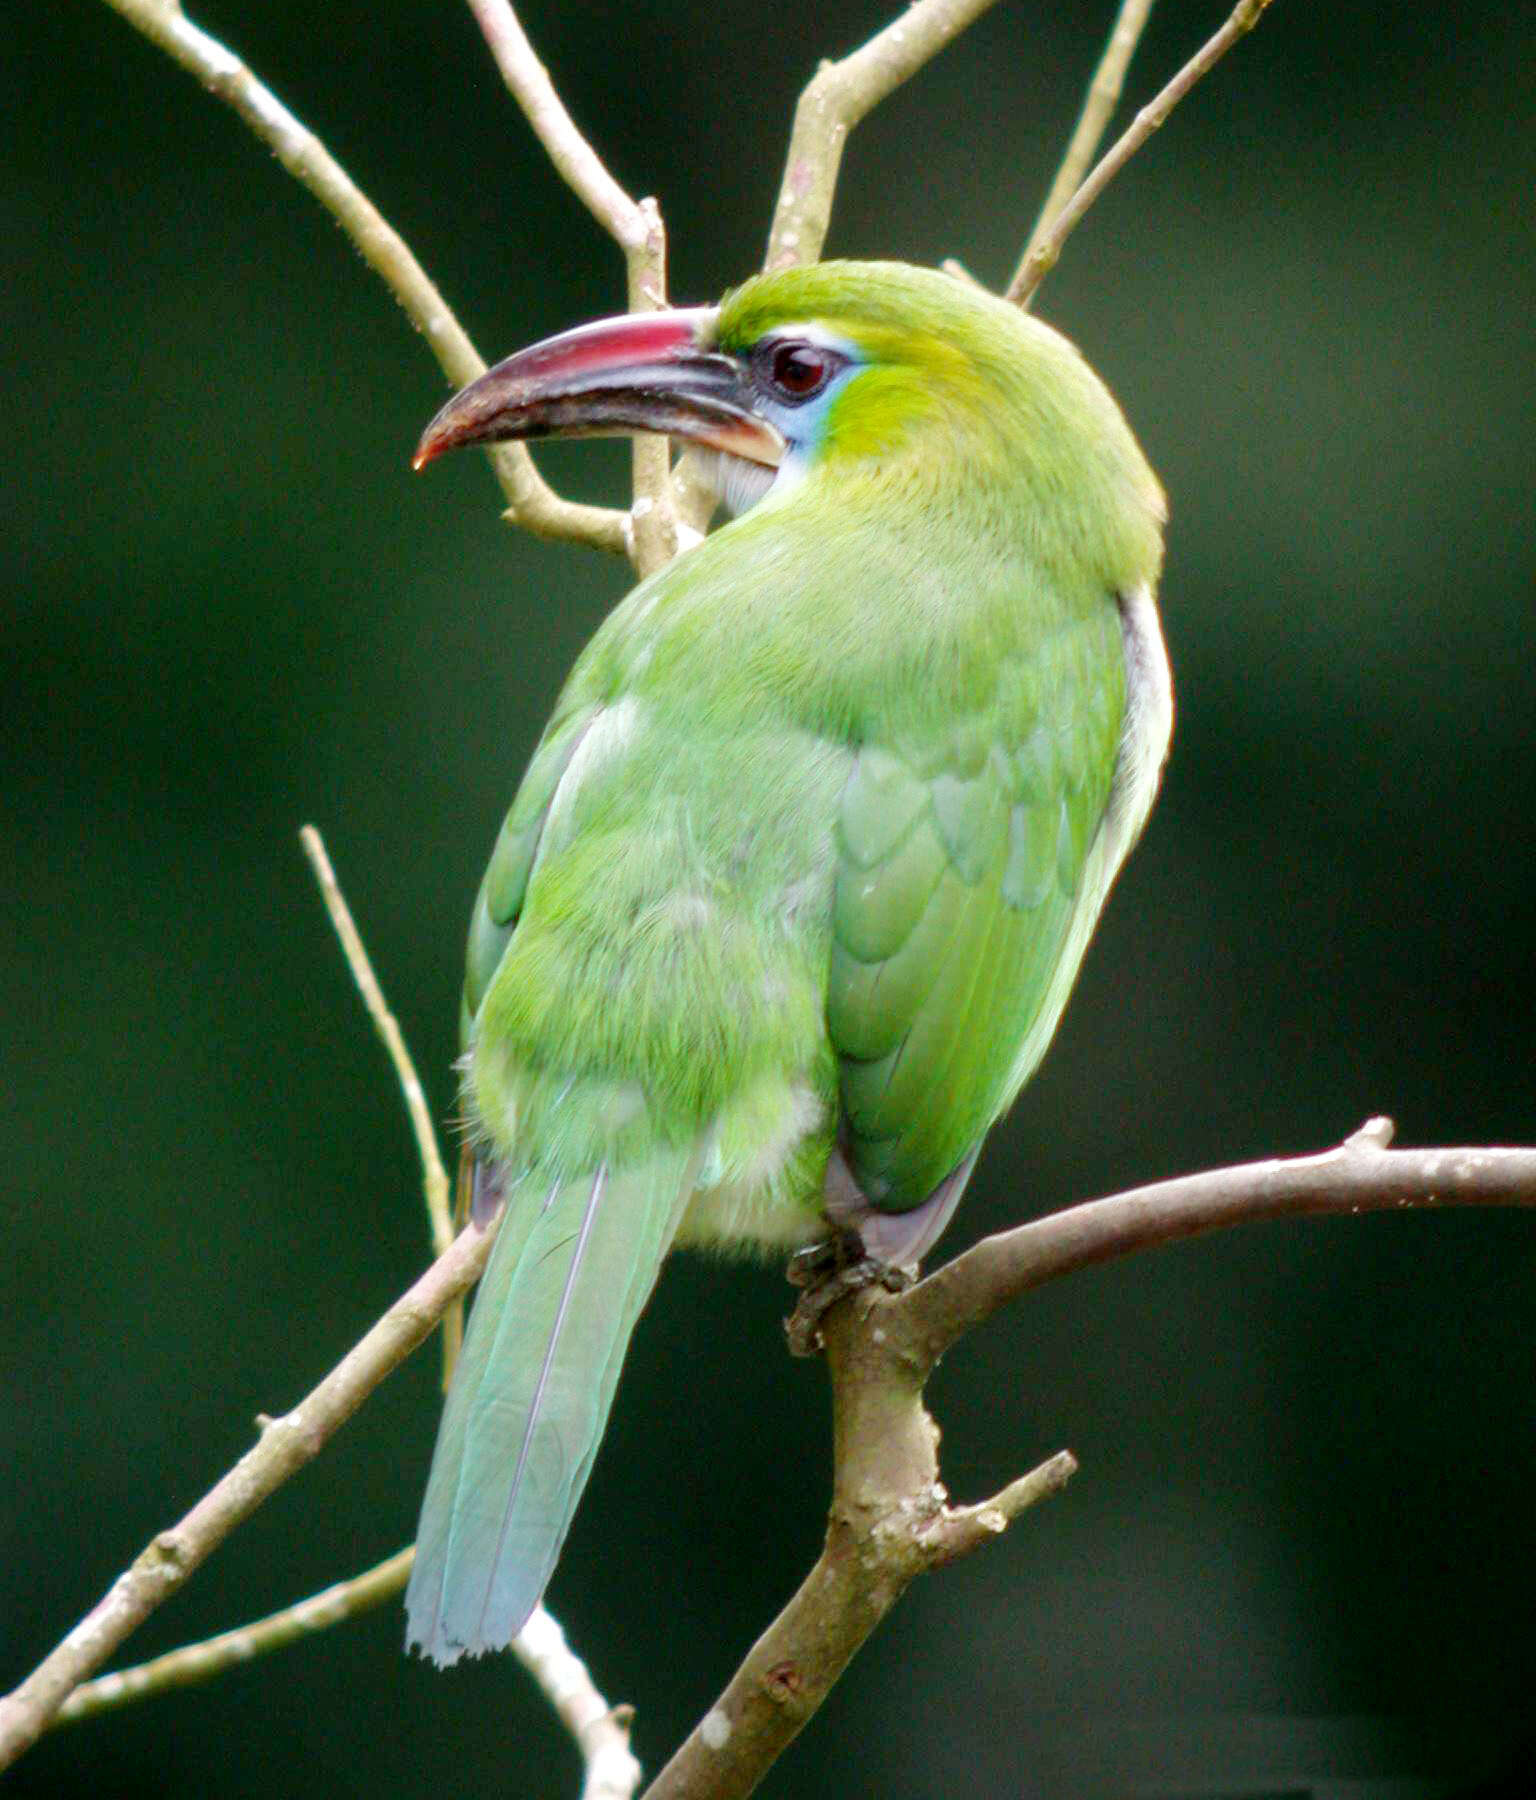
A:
(739, 482)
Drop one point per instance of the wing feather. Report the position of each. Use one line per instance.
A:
(965, 862)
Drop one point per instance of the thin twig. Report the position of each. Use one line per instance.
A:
(601, 1731)
(434, 1176)
(1041, 258)
(833, 102)
(963, 1529)
(286, 1445)
(634, 225)
(1098, 109)
(533, 503)
(193, 1663)
(569, 151)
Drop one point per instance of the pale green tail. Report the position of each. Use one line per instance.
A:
(569, 1274)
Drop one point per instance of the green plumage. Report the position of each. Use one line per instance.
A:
(800, 874)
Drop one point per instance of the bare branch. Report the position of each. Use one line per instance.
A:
(1042, 256)
(433, 1175)
(890, 1519)
(286, 1445)
(193, 1663)
(966, 1528)
(832, 103)
(534, 504)
(1360, 1176)
(434, 1178)
(834, 100)
(1098, 109)
(889, 1522)
(569, 151)
(601, 1731)
(635, 225)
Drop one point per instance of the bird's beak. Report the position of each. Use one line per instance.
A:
(642, 372)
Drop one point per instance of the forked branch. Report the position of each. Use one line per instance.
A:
(285, 1446)
(1098, 109)
(634, 225)
(834, 101)
(601, 1732)
(890, 1518)
(884, 1344)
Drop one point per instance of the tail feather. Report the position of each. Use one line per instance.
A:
(568, 1277)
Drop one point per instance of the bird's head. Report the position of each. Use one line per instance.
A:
(858, 371)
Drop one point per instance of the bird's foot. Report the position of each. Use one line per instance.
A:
(827, 1272)
(827, 1257)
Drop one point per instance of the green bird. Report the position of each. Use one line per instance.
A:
(791, 897)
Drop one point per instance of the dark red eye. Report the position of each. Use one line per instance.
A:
(796, 371)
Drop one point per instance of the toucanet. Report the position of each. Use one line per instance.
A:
(799, 876)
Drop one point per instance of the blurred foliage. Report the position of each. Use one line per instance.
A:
(1300, 1548)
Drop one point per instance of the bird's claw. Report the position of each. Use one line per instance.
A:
(826, 1273)
(820, 1261)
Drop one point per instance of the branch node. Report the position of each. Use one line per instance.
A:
(172, 1552)
(961, 1529)
(783, 1682)
(1375, 1134)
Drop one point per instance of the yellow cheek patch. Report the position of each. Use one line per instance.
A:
(908, 382)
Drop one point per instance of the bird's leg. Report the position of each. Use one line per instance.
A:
(827, 1271)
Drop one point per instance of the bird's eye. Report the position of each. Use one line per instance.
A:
(797, 372)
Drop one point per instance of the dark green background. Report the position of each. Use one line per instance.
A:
(1300, 1548)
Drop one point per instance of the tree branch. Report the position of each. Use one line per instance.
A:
(285, 1446)
(601, 1731)
(1362, 1175)
(433, 1175)
(889, 1522)
(193, 1663)
(635, 225)
(890, 1519)
(533, 503)
(834, 101)
(1098, 108)
(1042, 256)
